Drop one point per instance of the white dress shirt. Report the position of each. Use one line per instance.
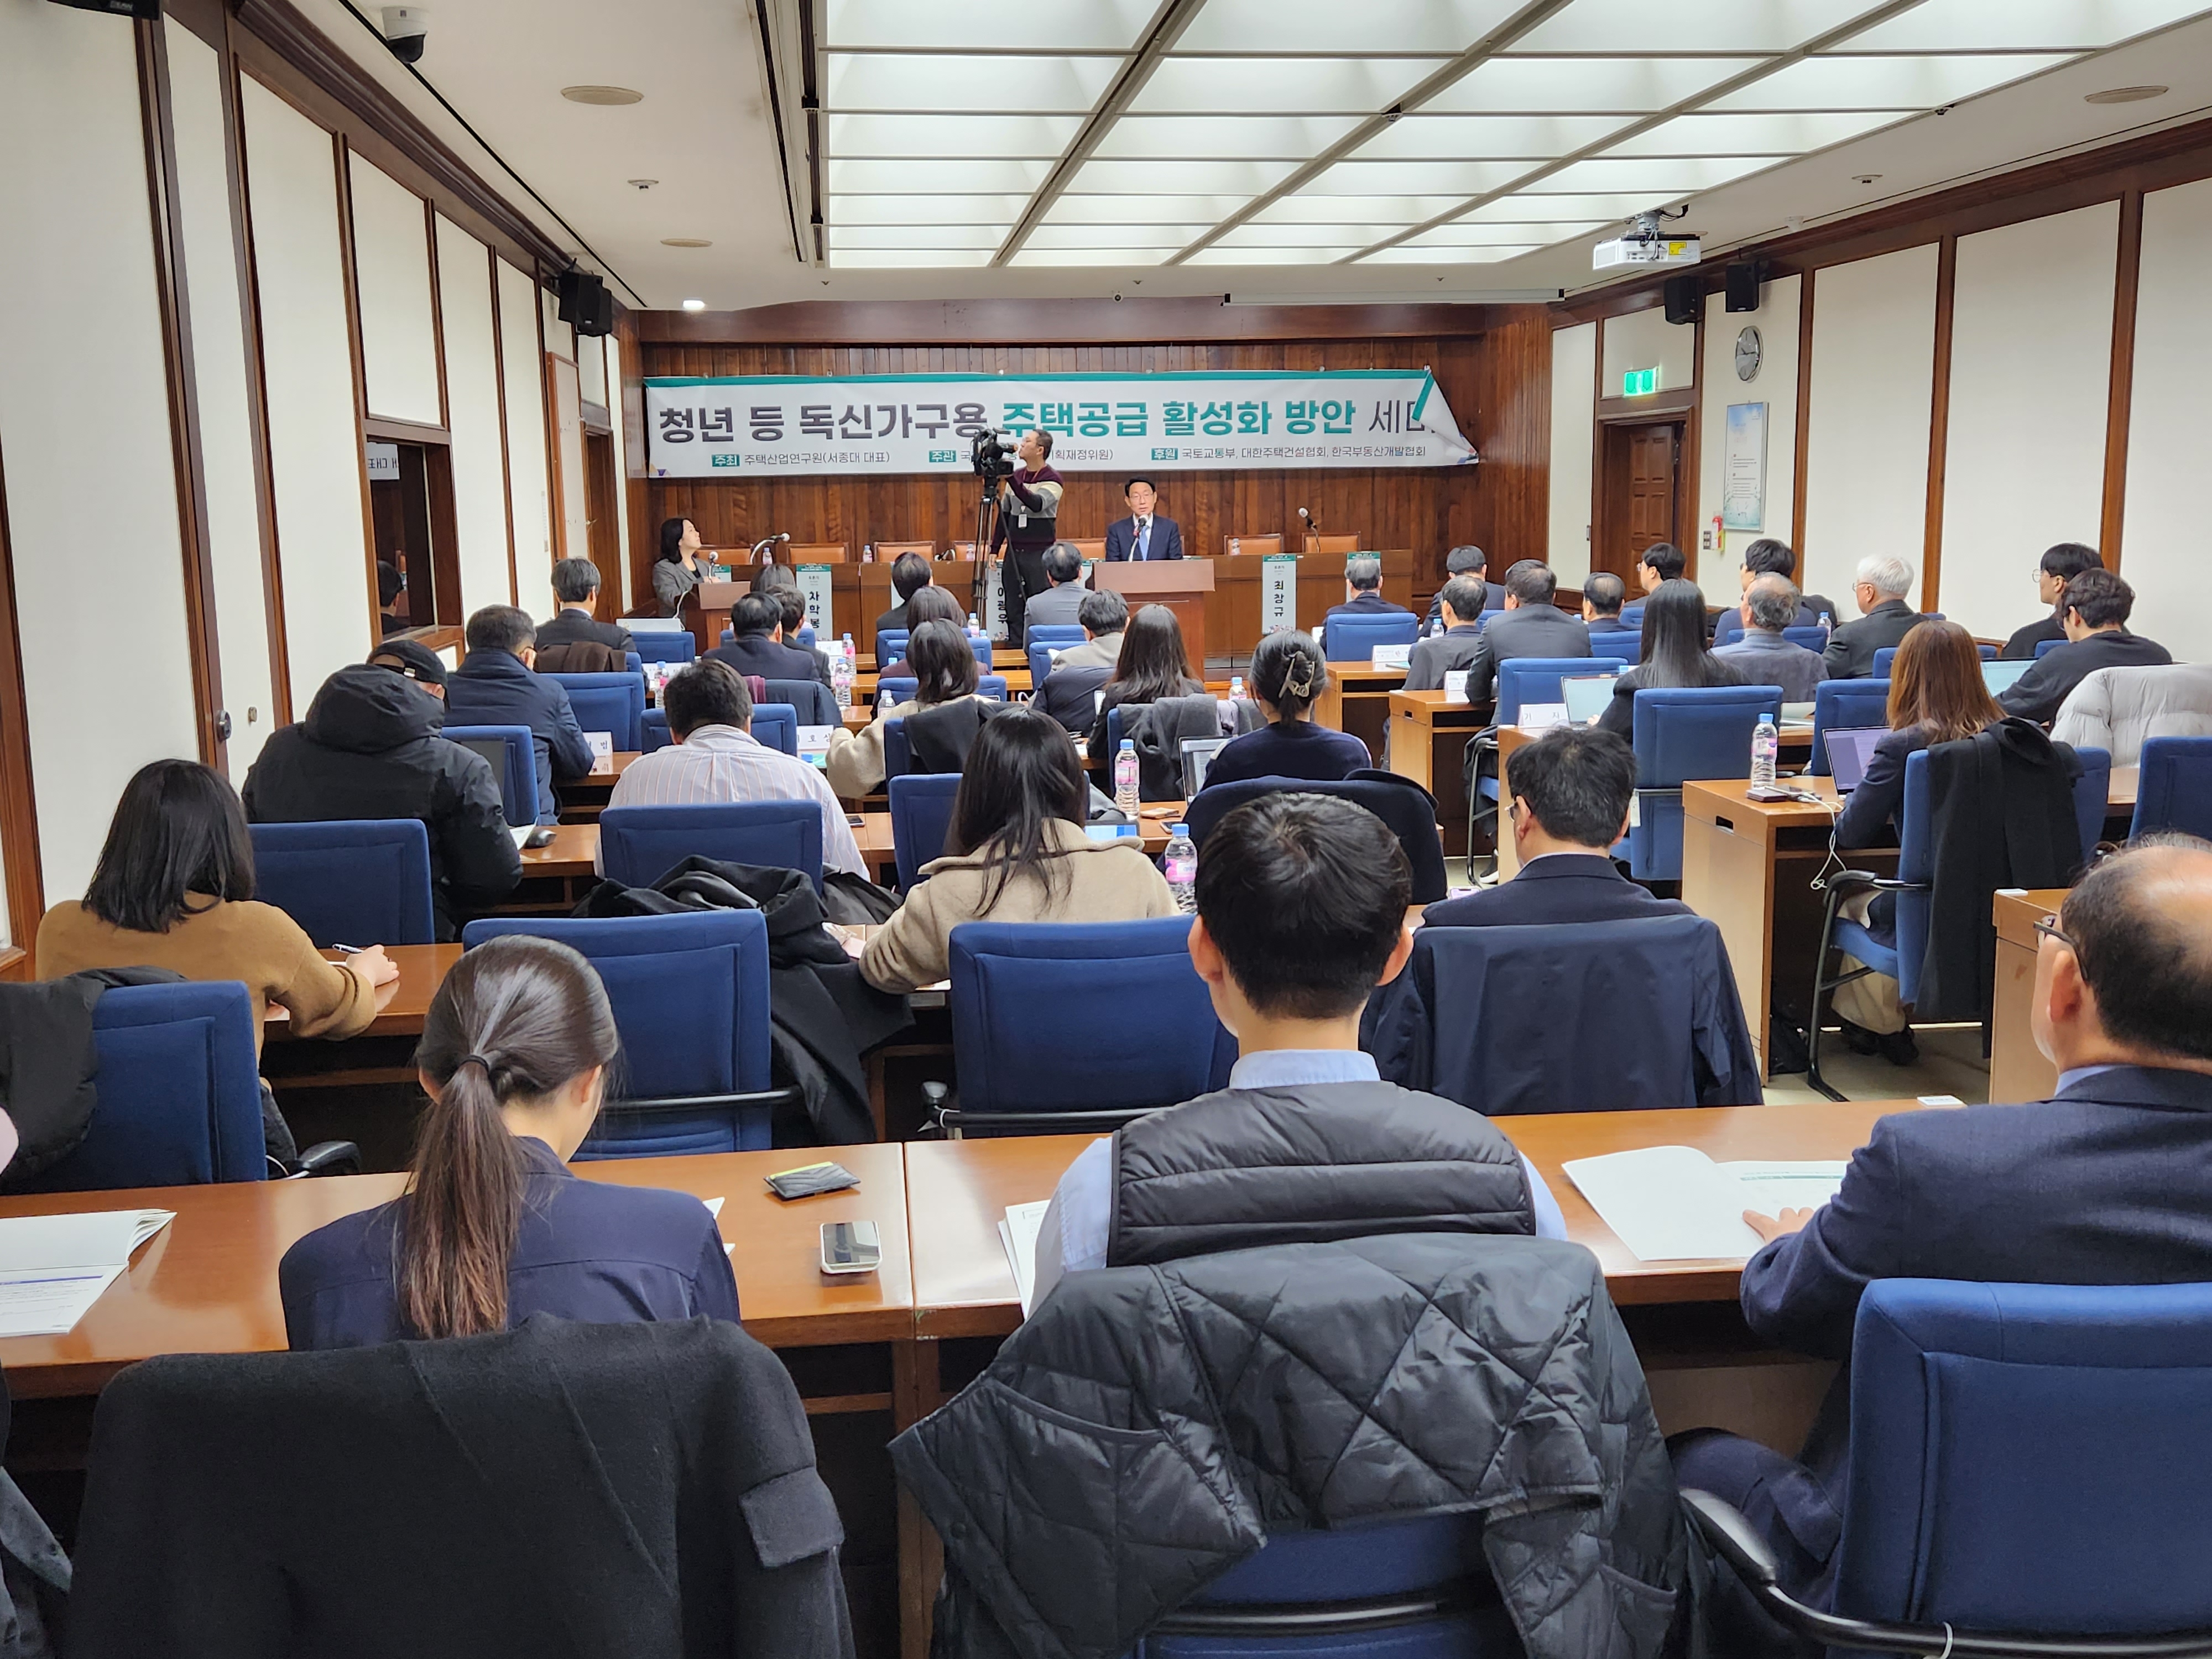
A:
(1074, 1234)
(718, 763)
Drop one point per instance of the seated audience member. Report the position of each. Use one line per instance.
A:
(576, 585)
(1675, 653)
(373, 747)
(1070, 691)
(1885, 618)
(1567, 796)
(1771, 604)
(2058, 566)
(1300, 914)
(2098, 604)
(1473, 564)
(391, 585)
(1532, 626)
(2101, 1184)
(1768, 557)
(1288, 672)
(1662, 562)
(175, 889)
(1062, 602)
(928, 605)
(757, 647)
(781, 583)
(944, 673)
(1152, 666)
(493, 1228)
(910, 573)
(1362, 590)
(2120, 710)
(495, 686)
(716, 757)
(1603, 594)
(1436, 655)
(1015, 851)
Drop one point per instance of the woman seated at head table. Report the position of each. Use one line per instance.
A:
(943, 668)
(1016, 852)
(928, 605)
(1152, 666)
(1677, 653)
(175, 889)
(493, 1228)
(1288, 673)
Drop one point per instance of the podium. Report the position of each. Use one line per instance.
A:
(706, 608)
(1181, 584)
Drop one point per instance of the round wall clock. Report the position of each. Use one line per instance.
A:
(1750, 351)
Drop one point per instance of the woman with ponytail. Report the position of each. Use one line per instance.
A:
(493, 1228)
(1288, 674)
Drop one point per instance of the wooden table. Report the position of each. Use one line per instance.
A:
(2018, 1070)
(400, 1003)
(1357, 700)
(879, 850)
(1428, 744)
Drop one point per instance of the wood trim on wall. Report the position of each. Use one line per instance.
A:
(349, 276)
(505, 466)
(19, 813)
(1939, 426)
(1801, 461)
(408, 432)
(437, 312)
(1689, 486)
(1050, 322)
(2120, 399)
(644, 534)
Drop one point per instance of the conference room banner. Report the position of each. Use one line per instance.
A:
(787, 425)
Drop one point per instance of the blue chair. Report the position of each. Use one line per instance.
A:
(2025, 1458)
(1409, 810)
(890, 645)
(1810, 636)
(776, 725)
(1536, 679)
(349, 881)
(1062, 634)
(1354, 639)
(983, 647)
(1842, 706)
(1632, 616)
(673, 645)
(179, 1092)
(1484, 620)
(512, 754)
(608, 702)
(638, 845)
(633, 663)
(1681, 733)
(690, 996)
(653, 730)
(805, 640)
(1730, 628)
(898, 754)
(902, 689)
(2175, 787)
(1040, 655)
(921, 814)
(1021, 1074)
(2044, 648)
(1882, 658)
(1625, 643)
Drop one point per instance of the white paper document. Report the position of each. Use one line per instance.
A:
(1018, 1233)
(1674, 1204)
(1455, 685)
(53, 1267)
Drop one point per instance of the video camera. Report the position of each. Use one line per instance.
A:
(993, 454)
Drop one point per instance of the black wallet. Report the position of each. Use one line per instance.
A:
(812, 1178)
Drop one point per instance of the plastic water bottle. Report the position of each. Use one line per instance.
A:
(1235, 688)
(1181, 864)
(1827, 628)
(1125, 778)
(840, 675)
(1765, 744)
(1234, 547)
(974, 629)
(1436, 629)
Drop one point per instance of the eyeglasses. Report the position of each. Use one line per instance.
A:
(2048, 928)
(1513, 810)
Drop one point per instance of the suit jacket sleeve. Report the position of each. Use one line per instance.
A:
(1425, 669)
(1837, 656)
(2037, 694)
(1173, 531)
(1620, 715)
(1117, 548)
(1802, 1291)
(1481, 673)
(1879, 798)
(572, 750)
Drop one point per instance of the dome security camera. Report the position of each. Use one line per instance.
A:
(406, 31)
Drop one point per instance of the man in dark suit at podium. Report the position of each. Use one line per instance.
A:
(1143, 534)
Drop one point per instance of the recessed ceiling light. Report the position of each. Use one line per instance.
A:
(602, 95)
(685, 241)
(2124, 95)
(1866, 178)
(695, 305)
(643, 184)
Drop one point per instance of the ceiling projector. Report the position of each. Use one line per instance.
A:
(1646, 244)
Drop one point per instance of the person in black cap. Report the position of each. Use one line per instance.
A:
(415, 659)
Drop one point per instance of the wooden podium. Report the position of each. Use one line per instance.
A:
(1181, 584)
(706, 608)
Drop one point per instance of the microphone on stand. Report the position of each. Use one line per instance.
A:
(1312, 524)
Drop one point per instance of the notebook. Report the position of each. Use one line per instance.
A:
(1999, 676)
(1850, 749)
(1586, 696)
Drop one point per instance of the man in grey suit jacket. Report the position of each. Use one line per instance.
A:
(1762, 654)
(1459, 604)
(1061, 603)
(1880, 589)
(1532, 626)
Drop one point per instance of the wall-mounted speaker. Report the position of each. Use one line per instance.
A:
(1744, 278)
(149, 10)
(585, 302)
(1685, 298)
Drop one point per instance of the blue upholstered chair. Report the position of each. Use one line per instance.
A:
(2175, 790)
(902, 689)
(776, 725)
(1684, 733)
(607, 702)
(890, 645)
(1810, 636)
(1843, 706)
(690, 996)
(632, 662)
(1625, 643)
(1409, 810)
(351, 881)
(669, 645)
(513, 759)
(1056, 634)
(898, 753)
(816, 704)
(653, 730)
(1354, 639)
(2044, 648)
(638, 845)
(1487, 618)
(1022, 1074)
(1730, 628)
(921, 813)
(2025, 1459)
(1536, 679)
(1887, 655)
(1632, 616)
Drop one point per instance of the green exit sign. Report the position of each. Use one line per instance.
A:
(1639, 382)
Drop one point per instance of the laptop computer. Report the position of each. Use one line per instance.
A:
(1198, 754)
(1850, 749)
(1586, 696)
(1999, 676)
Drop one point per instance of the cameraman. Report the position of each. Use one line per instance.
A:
(1029, 524)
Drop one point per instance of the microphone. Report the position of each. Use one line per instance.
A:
(1311, 522)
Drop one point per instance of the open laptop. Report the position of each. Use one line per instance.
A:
(1999, 676)
(1198, 754)
(1586, 696)
(1850, 749)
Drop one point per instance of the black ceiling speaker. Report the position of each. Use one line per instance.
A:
(149, 10)
(1685, 298)
(1745, 277)
(585, 302)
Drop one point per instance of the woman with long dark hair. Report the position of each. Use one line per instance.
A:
(1152, 666)
(493, 1228)
(1288, 673)
(945, 671)
(677, 571)
(1016, 852)
(1677, 652)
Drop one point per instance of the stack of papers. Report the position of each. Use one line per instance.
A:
(1018, 1233)
(1674, 1204)
(53, 1268)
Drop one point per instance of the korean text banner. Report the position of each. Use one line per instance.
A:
(777, 424)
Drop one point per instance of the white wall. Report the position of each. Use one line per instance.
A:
(219, 365)
(560, 336)
(1775, 386)
(391, 273)
(1574, 416)
(472, 390)
(1873, 369)
(2031, 365)
(84, 429)
(523, 367)
(1646, 339)
(314, 443)
(2163, 525)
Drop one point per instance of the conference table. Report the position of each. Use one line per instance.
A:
(2018, 1070)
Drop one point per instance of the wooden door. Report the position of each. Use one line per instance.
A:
(601, 533)
(1641, 486)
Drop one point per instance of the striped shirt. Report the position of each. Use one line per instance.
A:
(718, 763)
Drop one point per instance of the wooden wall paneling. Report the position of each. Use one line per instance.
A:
(1800, 461)
(2120, 398)
(1012, 325)
(352, 285)
(19, 815)
(1939, 425)
(1510, 514)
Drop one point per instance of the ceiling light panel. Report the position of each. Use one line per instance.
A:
(1841, 82)
(928, 209)
(985, 237)
(1263, 85)
(931, 81)
(1273, 256)
(1142, 209)
(1536, 208)
(1574, 86)
(1415, 253)
(1749, 25)
(1755, 135)
(1658, 178)
(1170, 237)
(1124, 178)
(1303, 209)
(1460, 179)
(1042, 25)
(973, 176)
(1330, 235)
(1260, 137)
(1487, 137)
(1470, 232)
(1329, 25)
(872, 258)
(1106, 258)
(951, 135)
(2020, 25)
